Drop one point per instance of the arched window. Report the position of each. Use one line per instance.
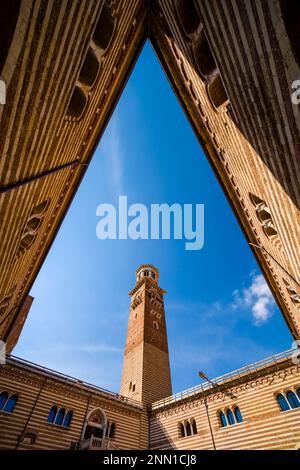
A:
(110, 429)
(188, 429)
(182, 430)
(40, 209)
(187, 15)
(104, 30)
(284, 406)
(223, 419)
(194, 426)
(52, 414)
(291, 18)
(8, 21)
(11, 403)
(230, 417)
(89, 70)
(293, 400)
(203, 56)
(3, 399)
(238, 415)
(216, 91)
(68, 419)
(96, 424)
(60, 417)
(29, 438)
(77, 103)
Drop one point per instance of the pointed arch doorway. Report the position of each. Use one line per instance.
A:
(94, 431)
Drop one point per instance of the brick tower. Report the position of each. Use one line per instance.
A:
(146, 371)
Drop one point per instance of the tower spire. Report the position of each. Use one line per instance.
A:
(146, 371)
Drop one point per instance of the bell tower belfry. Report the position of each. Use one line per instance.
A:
(146, 371)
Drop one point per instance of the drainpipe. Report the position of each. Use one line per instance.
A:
(17, 184)
(149, 410)
(30, 414)
(275, 260)
(85, 415)
(208, 420)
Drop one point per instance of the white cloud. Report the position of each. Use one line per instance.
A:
(82, 348)
(257, 297)
(98, 348)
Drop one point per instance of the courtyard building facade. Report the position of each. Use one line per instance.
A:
(256, 407)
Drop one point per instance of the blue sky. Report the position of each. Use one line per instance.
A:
(220, 313)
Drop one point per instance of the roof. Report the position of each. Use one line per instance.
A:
(241, 373)
(69, 380)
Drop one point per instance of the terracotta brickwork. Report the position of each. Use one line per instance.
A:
(57, 107)
(260, 403)
(263, 426)
(231, 64)
(146, 371)
(39, 389)
(254, 391)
